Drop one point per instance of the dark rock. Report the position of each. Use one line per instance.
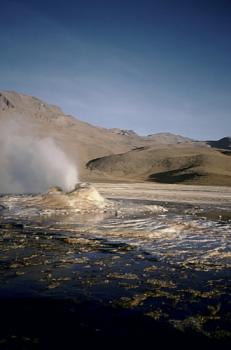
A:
(5, 103)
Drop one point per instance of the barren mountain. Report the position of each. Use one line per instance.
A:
(178, 164)
(80, 140)
(224, 143)
(168, 138)
(114, 154)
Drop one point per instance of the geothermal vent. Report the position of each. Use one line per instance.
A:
(84, 197)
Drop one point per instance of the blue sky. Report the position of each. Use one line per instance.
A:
(150, 66)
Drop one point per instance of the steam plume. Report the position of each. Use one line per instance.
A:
(30, 164)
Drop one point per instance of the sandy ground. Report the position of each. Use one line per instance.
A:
(167, 193)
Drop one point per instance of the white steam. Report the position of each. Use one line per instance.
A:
(30, 164)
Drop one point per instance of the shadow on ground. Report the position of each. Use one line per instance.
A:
(54, 324)
(175, 176)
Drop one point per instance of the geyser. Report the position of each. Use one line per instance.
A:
(32, 164)
(84, 197)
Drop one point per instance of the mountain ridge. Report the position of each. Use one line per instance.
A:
(91, 146)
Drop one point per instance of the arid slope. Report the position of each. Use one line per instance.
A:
(81, 141)
(115, 154)
(179, 164)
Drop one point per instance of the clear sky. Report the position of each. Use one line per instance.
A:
(151, 66)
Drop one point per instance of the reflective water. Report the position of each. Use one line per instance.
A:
(173, 266)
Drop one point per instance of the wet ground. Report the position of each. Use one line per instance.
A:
(134, 276)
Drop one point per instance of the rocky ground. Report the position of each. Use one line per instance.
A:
(132, 263)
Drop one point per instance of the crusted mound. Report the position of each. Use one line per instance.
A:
(86, 194)
(83, 197)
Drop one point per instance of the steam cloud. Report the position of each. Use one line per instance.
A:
(30, 164)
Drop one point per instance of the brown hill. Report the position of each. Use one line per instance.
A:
(121, 154)
(80, 140)
(168, 138)
(165, 164)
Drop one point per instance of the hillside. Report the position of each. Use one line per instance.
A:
(165, 164)
(80, 140)
(168, 138)
(224, 143)
(113, 154)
